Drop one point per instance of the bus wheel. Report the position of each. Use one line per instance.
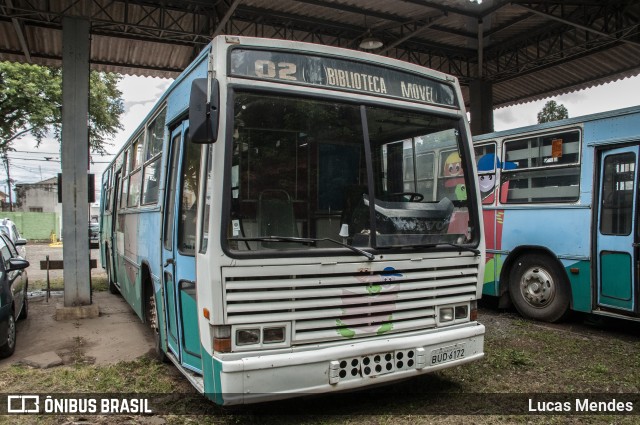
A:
(538, 288)
(151, 319)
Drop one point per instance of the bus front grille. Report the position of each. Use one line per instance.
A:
(345, 301)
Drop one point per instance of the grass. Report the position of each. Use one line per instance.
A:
(522, 357)
(142, 375)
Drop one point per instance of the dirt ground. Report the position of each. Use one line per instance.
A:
(116, 335)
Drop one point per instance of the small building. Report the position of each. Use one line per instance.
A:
(36, 211)
(38, 197)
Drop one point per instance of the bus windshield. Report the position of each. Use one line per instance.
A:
(304, 171)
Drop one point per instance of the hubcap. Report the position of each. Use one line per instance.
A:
(537, 287)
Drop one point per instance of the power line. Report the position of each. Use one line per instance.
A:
(39, 152)
(51, 153)
(34, 159)
(52, 160)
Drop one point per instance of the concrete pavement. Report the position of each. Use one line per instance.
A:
(115, 335)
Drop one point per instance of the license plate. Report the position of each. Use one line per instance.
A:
(446, 354)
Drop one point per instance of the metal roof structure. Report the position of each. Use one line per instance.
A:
(527, 50)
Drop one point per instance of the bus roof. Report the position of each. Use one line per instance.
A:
(296, 45)
(559, 123)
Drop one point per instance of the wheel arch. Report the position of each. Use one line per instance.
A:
(150, 303)
(530, 250)
(146, 285)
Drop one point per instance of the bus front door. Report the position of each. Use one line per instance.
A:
(112, 255)
(617, 231)
(178, 250)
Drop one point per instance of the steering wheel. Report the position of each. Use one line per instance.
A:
(413, 196)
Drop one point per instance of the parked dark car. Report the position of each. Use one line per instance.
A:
(13, 294)
(94, 234)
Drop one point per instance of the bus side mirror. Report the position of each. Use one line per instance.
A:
(203, 111)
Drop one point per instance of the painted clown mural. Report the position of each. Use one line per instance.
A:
(493, 217)
(376, 302)
(454, 177)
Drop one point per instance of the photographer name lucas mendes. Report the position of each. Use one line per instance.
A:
(581, 405)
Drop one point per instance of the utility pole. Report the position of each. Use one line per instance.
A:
(6, 166)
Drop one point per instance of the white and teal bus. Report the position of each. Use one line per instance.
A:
(271, 221)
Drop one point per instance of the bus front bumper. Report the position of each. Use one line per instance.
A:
(353, 365)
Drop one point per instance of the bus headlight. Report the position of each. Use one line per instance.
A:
(273, 335)
(446, 314)
(268, 335)
(247, 336)
(455, 313)
(461, 311)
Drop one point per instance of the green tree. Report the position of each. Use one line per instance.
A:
(31, 102)
(552, 111)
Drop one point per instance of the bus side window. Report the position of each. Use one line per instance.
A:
(542, 168)
(189, 198)
(617, 194)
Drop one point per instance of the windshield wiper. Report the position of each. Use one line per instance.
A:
(369, 255)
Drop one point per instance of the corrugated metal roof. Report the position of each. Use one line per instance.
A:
(530, 49)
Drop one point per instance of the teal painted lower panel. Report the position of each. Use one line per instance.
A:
(129, 279)
(190, 334)
(172, 325)
(162, 325)
(492, 269)
(580, 282)
(211, 369)
(489, 288)
(616, 280)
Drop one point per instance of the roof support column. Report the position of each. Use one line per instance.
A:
(75, 161)
(481, 96)
(480, 93)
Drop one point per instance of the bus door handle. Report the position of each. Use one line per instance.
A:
(169, 262)
(635, 244)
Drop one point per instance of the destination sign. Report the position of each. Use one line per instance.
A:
(330, 72)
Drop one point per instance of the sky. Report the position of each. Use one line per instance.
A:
(606, 97)
(31, 163)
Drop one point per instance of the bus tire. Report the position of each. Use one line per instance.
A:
(9, 345)
(538, 288)
(151, 319)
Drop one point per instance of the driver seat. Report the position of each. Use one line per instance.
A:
(276, 216)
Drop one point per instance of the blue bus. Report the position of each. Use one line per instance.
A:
(561, 215)
(262, 222)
